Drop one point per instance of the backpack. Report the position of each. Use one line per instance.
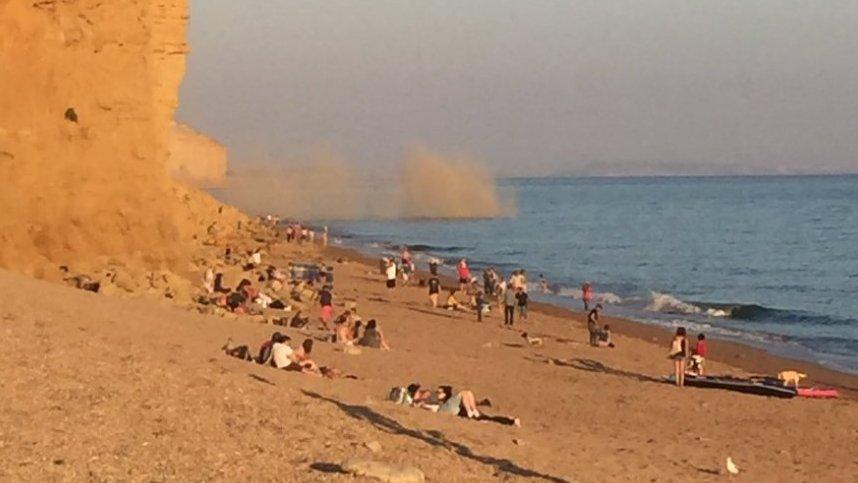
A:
(397, 395)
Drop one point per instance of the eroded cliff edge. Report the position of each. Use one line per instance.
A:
(87, 96)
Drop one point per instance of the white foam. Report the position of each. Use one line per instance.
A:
(666, 303)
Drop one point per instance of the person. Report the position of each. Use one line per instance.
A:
(433, 266)
(243, 352)
(543, 284)
(301, 361)
(678, 353)
(390, 271)
(510, 301)
(452, 303)
(586, 295)
(464, 274)
(462, 404)
(489, 280)
(521, 295)
(327, 306)
(325, 236)
(434, 289)
(344, 329)
(593, 325)
(480, 304)
(698, 358)
(604, 337)
(373, 337)
(407, 265)
(209, 281)
(281, 353)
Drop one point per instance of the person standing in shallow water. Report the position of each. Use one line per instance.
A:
(586, 295)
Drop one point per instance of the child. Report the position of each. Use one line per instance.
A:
(480, 305)
(434, 289)
(605, 337)
(678, 354)
(699, 356)
(521, 295)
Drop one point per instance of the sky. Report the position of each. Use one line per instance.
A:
(532, 88)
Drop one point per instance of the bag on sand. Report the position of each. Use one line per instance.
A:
(397, 395)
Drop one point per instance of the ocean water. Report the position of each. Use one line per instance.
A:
(771, 261)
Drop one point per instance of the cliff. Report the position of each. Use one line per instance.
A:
(87, 98)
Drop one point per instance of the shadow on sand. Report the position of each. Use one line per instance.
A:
(432, 438)
(590, 365)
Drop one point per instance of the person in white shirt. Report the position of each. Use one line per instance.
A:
(281, 354)
(390, 271)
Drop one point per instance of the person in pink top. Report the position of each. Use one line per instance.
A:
(464, 275)
(586, 295)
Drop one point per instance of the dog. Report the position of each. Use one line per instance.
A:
(791, 377)
(534, 341)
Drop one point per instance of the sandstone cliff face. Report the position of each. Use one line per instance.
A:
(87, 96)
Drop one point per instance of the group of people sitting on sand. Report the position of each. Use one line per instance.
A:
(276, 352)
(444, 400)
(349, 330)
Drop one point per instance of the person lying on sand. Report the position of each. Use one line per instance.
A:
(265, 350)
(373, 337)
(463, 404)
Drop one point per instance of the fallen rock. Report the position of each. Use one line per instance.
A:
(391, 473)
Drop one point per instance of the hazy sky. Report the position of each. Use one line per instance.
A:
(533, 87)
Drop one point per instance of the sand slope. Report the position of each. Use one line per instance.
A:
(104, 388)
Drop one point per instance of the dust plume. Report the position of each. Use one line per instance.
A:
(323, 185)
(435, 186)
(316, 185)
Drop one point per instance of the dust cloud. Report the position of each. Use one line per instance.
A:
(322, 185)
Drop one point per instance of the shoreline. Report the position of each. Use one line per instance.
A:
(746, 357)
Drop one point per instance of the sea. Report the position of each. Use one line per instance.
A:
(771, 261)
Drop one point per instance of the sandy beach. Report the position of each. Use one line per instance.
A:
(109, 388)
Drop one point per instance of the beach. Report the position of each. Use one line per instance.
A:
(136, 388)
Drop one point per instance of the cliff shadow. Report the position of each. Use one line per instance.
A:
(432, 438)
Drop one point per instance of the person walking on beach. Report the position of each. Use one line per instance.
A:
(593, 325)
(521, 295)
(678, 354)
(510, 301)
(434, 289)
(464, 275)
(390, 272)
(586, 295)
(407, 265)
